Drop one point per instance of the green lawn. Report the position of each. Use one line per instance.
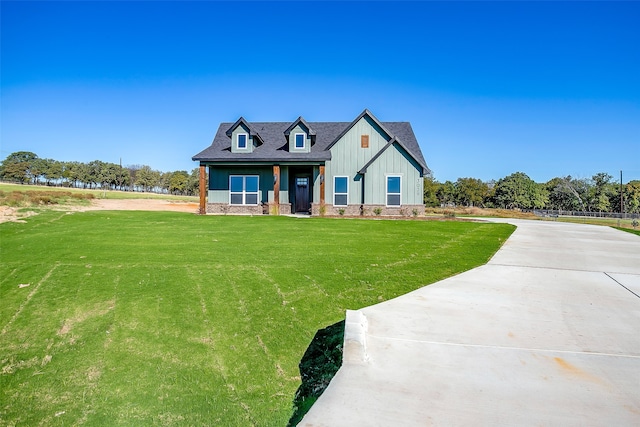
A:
(628, 230)
(158, 318)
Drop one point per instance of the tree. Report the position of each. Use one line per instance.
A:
(470, 191)
(193, 186)
(164, 181)
(52, 171)
(17, 165)
(108, 175)
(519, 191)
(121, 177)
(446, 193)
(431, 192)
(147, 178)
(601, 192)
(94, 173)
(178, 182)
(567, 194)
(632, 196)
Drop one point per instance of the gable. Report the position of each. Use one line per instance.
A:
(299, 139)
(349, 154)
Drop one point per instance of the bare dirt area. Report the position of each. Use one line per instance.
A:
(141, 205)
(8, 213)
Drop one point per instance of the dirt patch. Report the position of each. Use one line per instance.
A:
(141, 205)
(12, 214)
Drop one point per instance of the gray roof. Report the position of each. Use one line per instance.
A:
(275, 147)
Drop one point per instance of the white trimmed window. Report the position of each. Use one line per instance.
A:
(394, 190)
(244, 190)
(340, 190)
(242, 141)
(299, 140)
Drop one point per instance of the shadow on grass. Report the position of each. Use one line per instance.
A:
(319, 364)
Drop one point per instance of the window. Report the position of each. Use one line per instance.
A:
(243, 190)
(242, 140)
(393, 190)
(299, 142)
(340, 190)
(364, 141)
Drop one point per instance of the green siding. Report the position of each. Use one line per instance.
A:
(234, 136)
(292, 142)
(284, 196)
(394, 161)
(316, 185)
(348, 157)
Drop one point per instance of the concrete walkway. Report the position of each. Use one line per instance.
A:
(547, 333)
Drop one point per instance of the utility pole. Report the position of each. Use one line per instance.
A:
(621, 198)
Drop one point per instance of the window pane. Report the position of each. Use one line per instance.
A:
(340, 200)
(236, 199)
(340, 184)
(251, 184)
(236, 184)
(393, 200)
(242, 141)
(252, 199)
(299, 140)
(393, 184)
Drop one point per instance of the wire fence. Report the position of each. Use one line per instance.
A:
(556, 213)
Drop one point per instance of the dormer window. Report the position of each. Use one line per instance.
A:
(242, 141)
(300, 137)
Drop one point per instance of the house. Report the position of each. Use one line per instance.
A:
(362, 167)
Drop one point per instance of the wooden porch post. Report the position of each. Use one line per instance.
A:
(203, 191)
(322, 177)
(276, 189)
(276, 184)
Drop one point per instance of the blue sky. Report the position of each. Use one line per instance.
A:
(490, 88)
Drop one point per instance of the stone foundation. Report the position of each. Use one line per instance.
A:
(408, 211)
(280, 209)
(367, 210)
(225, 208)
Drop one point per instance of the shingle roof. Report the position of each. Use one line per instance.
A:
(275, 147)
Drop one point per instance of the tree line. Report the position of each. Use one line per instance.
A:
(27, 168)
(600, 193)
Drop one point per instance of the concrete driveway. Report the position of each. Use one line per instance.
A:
(547, 333)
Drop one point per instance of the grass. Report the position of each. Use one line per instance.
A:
(98, 194)
(463, 212)
(626, 224)
(159, 318)
(628, 230)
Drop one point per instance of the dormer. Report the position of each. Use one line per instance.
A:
(300, 136)
(244, 138)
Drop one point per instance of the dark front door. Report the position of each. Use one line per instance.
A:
(302, 194)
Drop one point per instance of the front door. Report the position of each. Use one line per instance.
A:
(302, 194)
